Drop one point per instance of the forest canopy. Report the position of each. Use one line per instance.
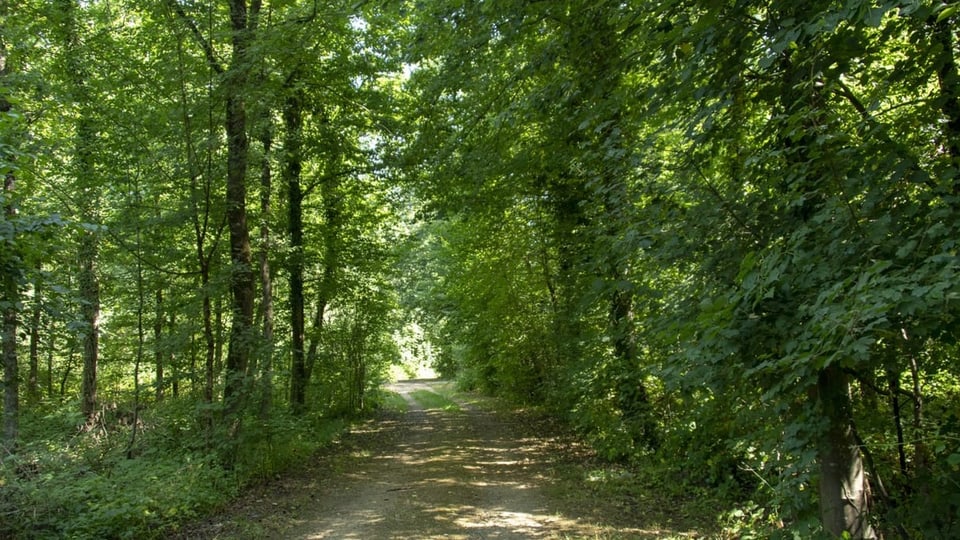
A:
(715, 237)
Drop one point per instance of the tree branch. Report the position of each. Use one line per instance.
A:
(725, 205)
(211, 56)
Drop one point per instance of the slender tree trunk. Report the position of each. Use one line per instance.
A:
(141, 335)
(90, 309)
(266, 278)
(201, 209)
(51, 348)
(33, 374)
(333, 217)
(316, 335)
(174, 359)
(893, 378)
(158, 356)
(293, 123)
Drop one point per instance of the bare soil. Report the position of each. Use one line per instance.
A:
(434, 473)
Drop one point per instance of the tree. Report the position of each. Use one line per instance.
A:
(10, 262)
(244, 20)
(293, 157)
(85, 176)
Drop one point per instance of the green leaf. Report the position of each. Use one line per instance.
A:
(947, 12)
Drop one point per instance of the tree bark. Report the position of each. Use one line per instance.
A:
(90, 310)
(158, 319)
(949, 84)
(293, 123)
(844, 495)
(10, 299)
(242, 280)
(266, 277)
(33, 373)
(85, 174)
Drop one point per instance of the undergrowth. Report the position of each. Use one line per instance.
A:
(70, 483)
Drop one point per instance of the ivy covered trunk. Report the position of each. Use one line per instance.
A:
(85, 173)
(90, 314)
(10, 294)
(9, 300)
(242, 282)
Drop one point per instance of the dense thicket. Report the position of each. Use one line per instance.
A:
(720, 234)
(718, 237)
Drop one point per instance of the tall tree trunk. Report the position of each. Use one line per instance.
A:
(85, 173)
(200, 196)
(51, 348)
(844, 489)
(293, 123)
(90, 310)
(158, 350)
(10, 299)
(10, 294)
(33, 373)
(266, 278)
(844, 496)
(141, 331)
(242, 280)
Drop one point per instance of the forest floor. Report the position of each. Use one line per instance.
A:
(463, 471)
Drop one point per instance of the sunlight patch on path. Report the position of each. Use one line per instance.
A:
(459, 476)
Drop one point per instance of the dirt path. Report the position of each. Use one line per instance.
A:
(430, 473)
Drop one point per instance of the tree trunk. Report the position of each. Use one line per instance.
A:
(10, 298)
(90, 310)
(316, 334)
(266, 278)
(51, 348)
(157, 338)
(293, 123)
(85, 175)
(333, 217)
(844, 492)
(242, 277)
(33, 374)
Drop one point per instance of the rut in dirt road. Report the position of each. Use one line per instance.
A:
(443, 474)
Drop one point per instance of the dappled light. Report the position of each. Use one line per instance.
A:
(464, 474)
(641, 268)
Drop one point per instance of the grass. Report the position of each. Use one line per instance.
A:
(433, 400)
(393, 401)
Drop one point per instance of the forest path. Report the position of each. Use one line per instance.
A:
(435, 473)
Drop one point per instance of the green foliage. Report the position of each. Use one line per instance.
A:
(670, 221)
(665, 221)
(90, 485)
